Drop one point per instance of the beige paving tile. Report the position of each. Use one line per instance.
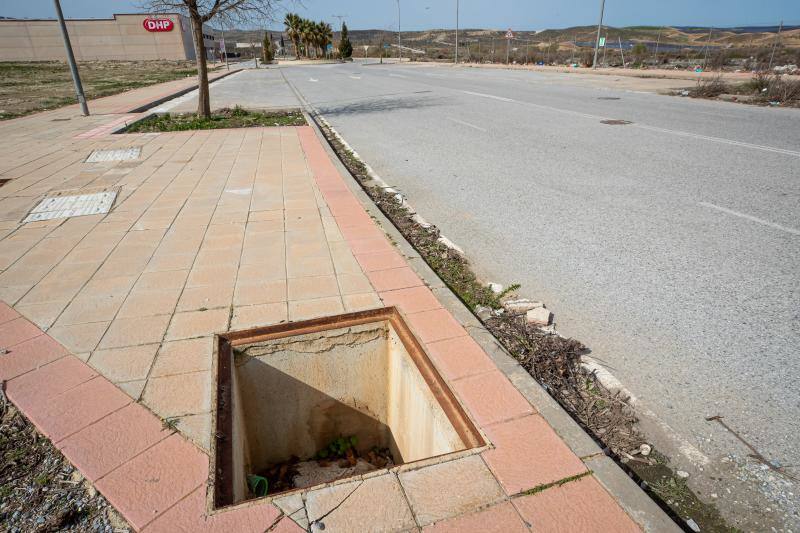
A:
(151, 302)
(135, 331)
(259, 315)
(449, 489)
(361, 302)
(313, 287)
(79, 338)
(43, 314)
(108, 286)
(375, 504)
(259, 293)
(166, 262)
(198, 324)
(262, 216)
(133, 388)
(354, 284)
(305, 309)
(87, 310)
(213, 275)
(178, 395)
(196, 428)
(171, 279)
(207, 297)
(124, 364)
(182, 357)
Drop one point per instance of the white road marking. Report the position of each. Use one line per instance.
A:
(393, 75)
(646, 127)
(355, 77)
(721, 140)
(312, 80)
(751, 217)
(466, 124)
(493, 97)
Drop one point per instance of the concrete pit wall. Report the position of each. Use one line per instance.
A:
(294, 395)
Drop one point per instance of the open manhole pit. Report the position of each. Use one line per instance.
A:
(303, 404)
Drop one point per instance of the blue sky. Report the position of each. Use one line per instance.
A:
(498, 14)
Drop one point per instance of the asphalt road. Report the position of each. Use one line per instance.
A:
(669, 246)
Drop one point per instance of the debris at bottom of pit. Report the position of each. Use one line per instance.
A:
(302, 474)
(311, 473)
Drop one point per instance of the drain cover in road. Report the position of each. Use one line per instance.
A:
(615, 122)
(66, 206)
(124, 154)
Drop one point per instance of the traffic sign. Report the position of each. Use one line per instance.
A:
(509, 34)
(602, 41)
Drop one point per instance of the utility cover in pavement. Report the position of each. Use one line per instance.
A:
(616, 122)
(72, 206)
(124, 154)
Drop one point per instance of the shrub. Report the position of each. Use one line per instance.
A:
(709, 87)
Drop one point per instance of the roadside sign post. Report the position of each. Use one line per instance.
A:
(224, 51)
(76, 78)
(599, 27)
(509, 37)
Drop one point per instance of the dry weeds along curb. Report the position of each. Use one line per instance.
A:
(554, 362)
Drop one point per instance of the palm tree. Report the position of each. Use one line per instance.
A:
(307, 35)
(325, 35)
(293, 24)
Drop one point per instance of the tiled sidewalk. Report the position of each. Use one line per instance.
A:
(110, 321)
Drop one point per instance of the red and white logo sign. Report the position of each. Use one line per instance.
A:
(509, 34)
(158, 24)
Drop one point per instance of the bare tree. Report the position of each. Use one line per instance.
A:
(202, 11)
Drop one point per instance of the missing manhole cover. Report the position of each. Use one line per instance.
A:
(72, 205)
(124, 154)
(615, 122)
(608, 98)
(307, 403)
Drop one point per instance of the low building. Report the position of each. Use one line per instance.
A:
(122, 37)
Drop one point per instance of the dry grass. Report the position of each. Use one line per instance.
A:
(763, 88)
(29, 87)
(709, 88)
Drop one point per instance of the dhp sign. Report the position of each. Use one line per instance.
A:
(158, 24)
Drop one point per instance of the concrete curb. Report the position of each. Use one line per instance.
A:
(633, 500)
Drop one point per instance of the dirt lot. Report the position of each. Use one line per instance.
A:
(28, 87)
(40, 491)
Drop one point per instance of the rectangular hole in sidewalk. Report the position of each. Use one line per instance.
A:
(306, 403)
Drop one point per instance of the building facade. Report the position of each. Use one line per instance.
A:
(122, 37)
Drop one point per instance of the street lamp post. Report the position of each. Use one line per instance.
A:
(76, 78)
(599, 26)
(457, 2)
(399, 39)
